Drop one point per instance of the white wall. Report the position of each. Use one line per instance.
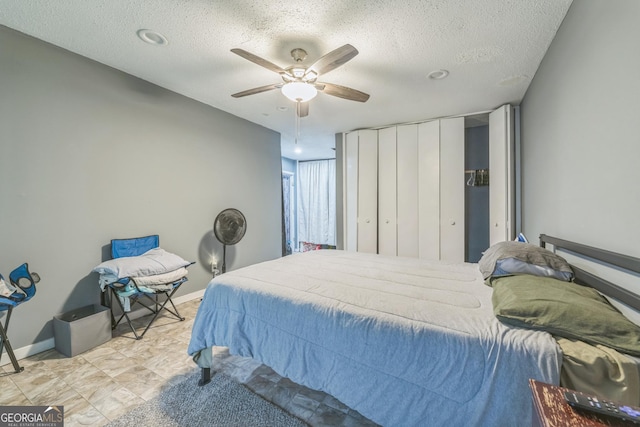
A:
(580, 138)
(89, 153)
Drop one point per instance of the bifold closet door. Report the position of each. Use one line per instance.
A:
(407, 187)
(429, 190)
(368, 191)
(387, 192)
(452, 184)
(501, 175)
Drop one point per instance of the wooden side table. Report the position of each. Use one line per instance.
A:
(551, 410)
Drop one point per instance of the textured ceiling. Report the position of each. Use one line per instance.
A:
(491, 48)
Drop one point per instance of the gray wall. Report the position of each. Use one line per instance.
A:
(89, 153)
(289, 165)
(580, 139)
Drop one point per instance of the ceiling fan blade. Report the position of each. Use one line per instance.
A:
(302, 109)
(344, 92)
(256, 90)
(333, 59)
(260, 61)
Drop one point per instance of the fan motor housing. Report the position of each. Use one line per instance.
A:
(299, 54)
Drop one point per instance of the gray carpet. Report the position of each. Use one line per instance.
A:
(222, 402)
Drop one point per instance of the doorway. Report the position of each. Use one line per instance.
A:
(288, 217)
(316, 202)
(476, 194)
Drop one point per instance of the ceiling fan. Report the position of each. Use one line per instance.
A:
(299, 82)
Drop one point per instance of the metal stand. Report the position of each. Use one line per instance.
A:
(158, 307)
(205, 376)
(4, 341)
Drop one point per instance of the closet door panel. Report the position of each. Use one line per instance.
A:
(407, 187)
(351, 192)
(429, 190)
(452, 225)
(387, 192)
(368, 191)
(501, 175)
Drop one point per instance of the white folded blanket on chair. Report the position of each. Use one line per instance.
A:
(156, 279)
(161, 279)
(154, 261)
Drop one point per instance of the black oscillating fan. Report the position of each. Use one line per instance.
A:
(229, 228)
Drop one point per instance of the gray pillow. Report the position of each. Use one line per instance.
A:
(511, 258)
(564, 309)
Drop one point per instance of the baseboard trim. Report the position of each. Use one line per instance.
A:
(40, 346)
(28, 350)
(189, 297)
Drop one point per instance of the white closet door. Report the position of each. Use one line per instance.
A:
(368, 191)
(387, 192)
(429, 190)
(407, 187)
(351, 192)
(501, 175)
(452, 184)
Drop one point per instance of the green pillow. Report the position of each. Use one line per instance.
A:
(564, 309)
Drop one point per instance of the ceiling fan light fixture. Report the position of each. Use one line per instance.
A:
(310, 76)
(299, 91)
(298, 72)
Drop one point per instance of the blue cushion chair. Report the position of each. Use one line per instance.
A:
(23, 288)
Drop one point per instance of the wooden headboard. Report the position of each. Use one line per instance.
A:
(626, 262)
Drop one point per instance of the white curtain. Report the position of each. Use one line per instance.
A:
(317, 202)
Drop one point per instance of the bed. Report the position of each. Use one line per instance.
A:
(402, 341)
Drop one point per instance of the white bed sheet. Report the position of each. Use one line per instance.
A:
(403, 341)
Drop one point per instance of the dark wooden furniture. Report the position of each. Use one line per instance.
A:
(551, 410)
(549, 406)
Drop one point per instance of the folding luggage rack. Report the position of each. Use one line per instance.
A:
(126, 289)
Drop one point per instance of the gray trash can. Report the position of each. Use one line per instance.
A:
(81, 329)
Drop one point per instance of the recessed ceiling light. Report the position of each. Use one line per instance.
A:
(298, 150)
(438, 74)
(282, 108)
(513, 80)
(152, 37)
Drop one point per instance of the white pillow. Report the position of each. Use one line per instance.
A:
(154, 261)
(509, 258)
(510, 266)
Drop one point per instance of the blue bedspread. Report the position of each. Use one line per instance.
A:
(403, 341)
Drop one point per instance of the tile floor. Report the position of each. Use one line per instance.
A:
(104, 383)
